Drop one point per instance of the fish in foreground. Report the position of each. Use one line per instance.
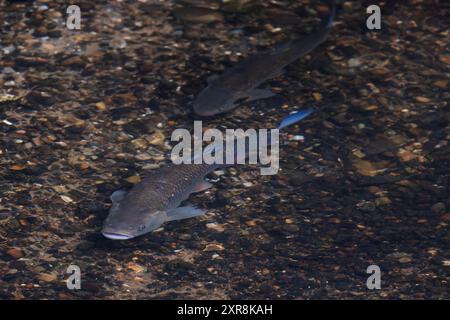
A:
(240, 83)
(157, 198)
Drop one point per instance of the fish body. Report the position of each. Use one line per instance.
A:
(157, 198)
(240, 82)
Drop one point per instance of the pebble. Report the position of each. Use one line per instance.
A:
(8, 49)
(298, 137)
(17, 167)
(84, 165)
(8, 70)
(136, 267)
(405, 260)
(214, 247)
(118, 43)
(366, 205)
(445, 58)
(382, 201)
(438, 207)
(198, 15)
(140, 143)
(15, 253)
(143, 156)
(364, 167)
(216, 227)
(441, 84)
(156, 138)
(101, 106)
(66, 199)
(185, 236)
(334, 220)
(134, 179)
(238, 6)
(251, 223)
(219, 172)
(60, 189)
(401, 257)
(74, 61)
(422, 99)
(317, 96)
(354, 62)
(406, 155)
(47, 277)
(407, 271)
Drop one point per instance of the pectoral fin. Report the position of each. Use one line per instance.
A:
(257, 94)
(118, 195)
(202, 186)
(184, 213)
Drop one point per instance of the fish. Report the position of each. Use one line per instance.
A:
(240, 83)
(294, 117)
(157, 198)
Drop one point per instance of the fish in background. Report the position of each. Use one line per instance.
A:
(240, 83)
(157, 198)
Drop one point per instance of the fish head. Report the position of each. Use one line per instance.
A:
(213, 100)
(129, 219)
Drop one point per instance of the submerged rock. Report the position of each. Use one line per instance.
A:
(198, 15)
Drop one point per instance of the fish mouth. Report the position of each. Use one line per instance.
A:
(116, 236)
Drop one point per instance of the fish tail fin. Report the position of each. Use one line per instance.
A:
(303, 45)
(327, 23)
(294, 117)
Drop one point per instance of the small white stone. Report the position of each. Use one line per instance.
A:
(354, 62)
(8, 70)
(298, 137)
(8, 49)
(66, 199)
